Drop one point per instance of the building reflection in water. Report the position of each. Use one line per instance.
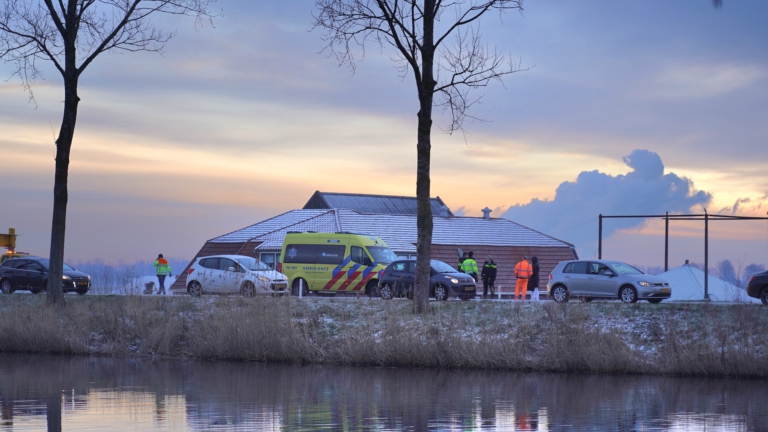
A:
(66, 393)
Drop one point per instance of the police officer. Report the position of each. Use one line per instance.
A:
(489, 276)
(469, 266)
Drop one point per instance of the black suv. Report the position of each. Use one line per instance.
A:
(31, 273)
(398, 279)
(758, 286)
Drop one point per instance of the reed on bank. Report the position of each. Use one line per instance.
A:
(699, 339)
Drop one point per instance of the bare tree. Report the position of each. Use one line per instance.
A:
(71, 34)
(439, 42)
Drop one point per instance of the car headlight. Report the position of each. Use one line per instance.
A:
(645, 284)
(454, 280)
(89, 277)
(65, 277)
(263, 278)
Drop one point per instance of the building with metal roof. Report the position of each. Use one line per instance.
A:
(365, 203)
(503, 240)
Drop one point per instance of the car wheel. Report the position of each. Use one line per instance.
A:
(82, 291)
(586, 299)
(386, 292)
(441, 293)
(195, 289)
(372, 288)
(295, 287)
(628, 294)
(763, 296)
(248, 289)
(654, 301)
(6, 287)
(560, 294)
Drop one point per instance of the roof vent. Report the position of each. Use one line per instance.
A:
(686, 262)
(486, 213)
(443, 211)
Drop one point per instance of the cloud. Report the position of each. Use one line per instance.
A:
(572, 214)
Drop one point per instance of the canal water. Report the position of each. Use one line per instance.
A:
(102, 394)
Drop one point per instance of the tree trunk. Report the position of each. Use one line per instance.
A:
(423, 151)
(60, 193)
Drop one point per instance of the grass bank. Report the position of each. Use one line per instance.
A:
(696, 339)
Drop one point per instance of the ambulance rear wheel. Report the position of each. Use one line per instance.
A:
(304, 287)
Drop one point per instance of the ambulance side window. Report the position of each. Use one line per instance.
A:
(357, 254)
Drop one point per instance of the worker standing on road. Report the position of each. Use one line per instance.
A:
(469, 266)
(523, 272)
(489, 276)
(533, 282)
(162, 269)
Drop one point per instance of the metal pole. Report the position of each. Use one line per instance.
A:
(706, 255)
(600, 238)
(666, 243)
(301, 287)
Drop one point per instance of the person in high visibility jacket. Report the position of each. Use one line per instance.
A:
(162, 268)
(523, 271)
(469, 266)
(489, 276)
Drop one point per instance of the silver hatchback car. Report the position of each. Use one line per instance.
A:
(603, 279)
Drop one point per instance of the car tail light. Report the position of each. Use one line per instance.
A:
(280, 267)
(752, 279)
(550, 276)
(189, 272)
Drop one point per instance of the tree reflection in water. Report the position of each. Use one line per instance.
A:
(123, 394)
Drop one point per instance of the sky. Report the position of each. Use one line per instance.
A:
(622, 107)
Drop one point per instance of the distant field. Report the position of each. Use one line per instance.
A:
(602, 337)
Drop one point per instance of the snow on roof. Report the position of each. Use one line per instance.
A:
(269, 225)
(398, 231)
(687, 283)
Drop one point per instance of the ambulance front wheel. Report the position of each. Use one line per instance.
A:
(304, 288)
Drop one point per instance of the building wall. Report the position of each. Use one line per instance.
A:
(506, 257)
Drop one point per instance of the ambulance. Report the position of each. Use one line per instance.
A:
(333, 262)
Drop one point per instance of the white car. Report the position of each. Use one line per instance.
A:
(234, 274)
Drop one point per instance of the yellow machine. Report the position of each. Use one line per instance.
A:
(334, 262)
(8, 241)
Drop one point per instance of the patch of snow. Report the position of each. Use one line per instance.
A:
(687, 284)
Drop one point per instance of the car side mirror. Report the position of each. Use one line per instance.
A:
(231, 269)
(610, 273)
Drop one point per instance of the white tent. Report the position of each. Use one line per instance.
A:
(687, 283)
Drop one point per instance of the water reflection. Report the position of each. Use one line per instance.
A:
(65, 393)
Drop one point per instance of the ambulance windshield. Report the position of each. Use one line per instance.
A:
(382, 254)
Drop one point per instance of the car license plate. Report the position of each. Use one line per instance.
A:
(82, 283)
(665, 290)
(469, 289)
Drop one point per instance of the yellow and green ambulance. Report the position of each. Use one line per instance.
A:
(334, 262)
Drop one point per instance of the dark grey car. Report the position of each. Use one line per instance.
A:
(603, 279)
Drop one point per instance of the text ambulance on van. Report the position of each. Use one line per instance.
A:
(334, 262)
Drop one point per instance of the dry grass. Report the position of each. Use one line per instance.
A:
(684, 339)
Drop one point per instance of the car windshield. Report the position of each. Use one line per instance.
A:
(252, 264)
(46, 264)
(382, 254)
(625, 269)
(441, 267)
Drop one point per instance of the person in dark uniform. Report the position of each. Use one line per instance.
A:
(489, 276)
(533, 281)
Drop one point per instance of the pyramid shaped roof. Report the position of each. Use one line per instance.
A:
(687, 283)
